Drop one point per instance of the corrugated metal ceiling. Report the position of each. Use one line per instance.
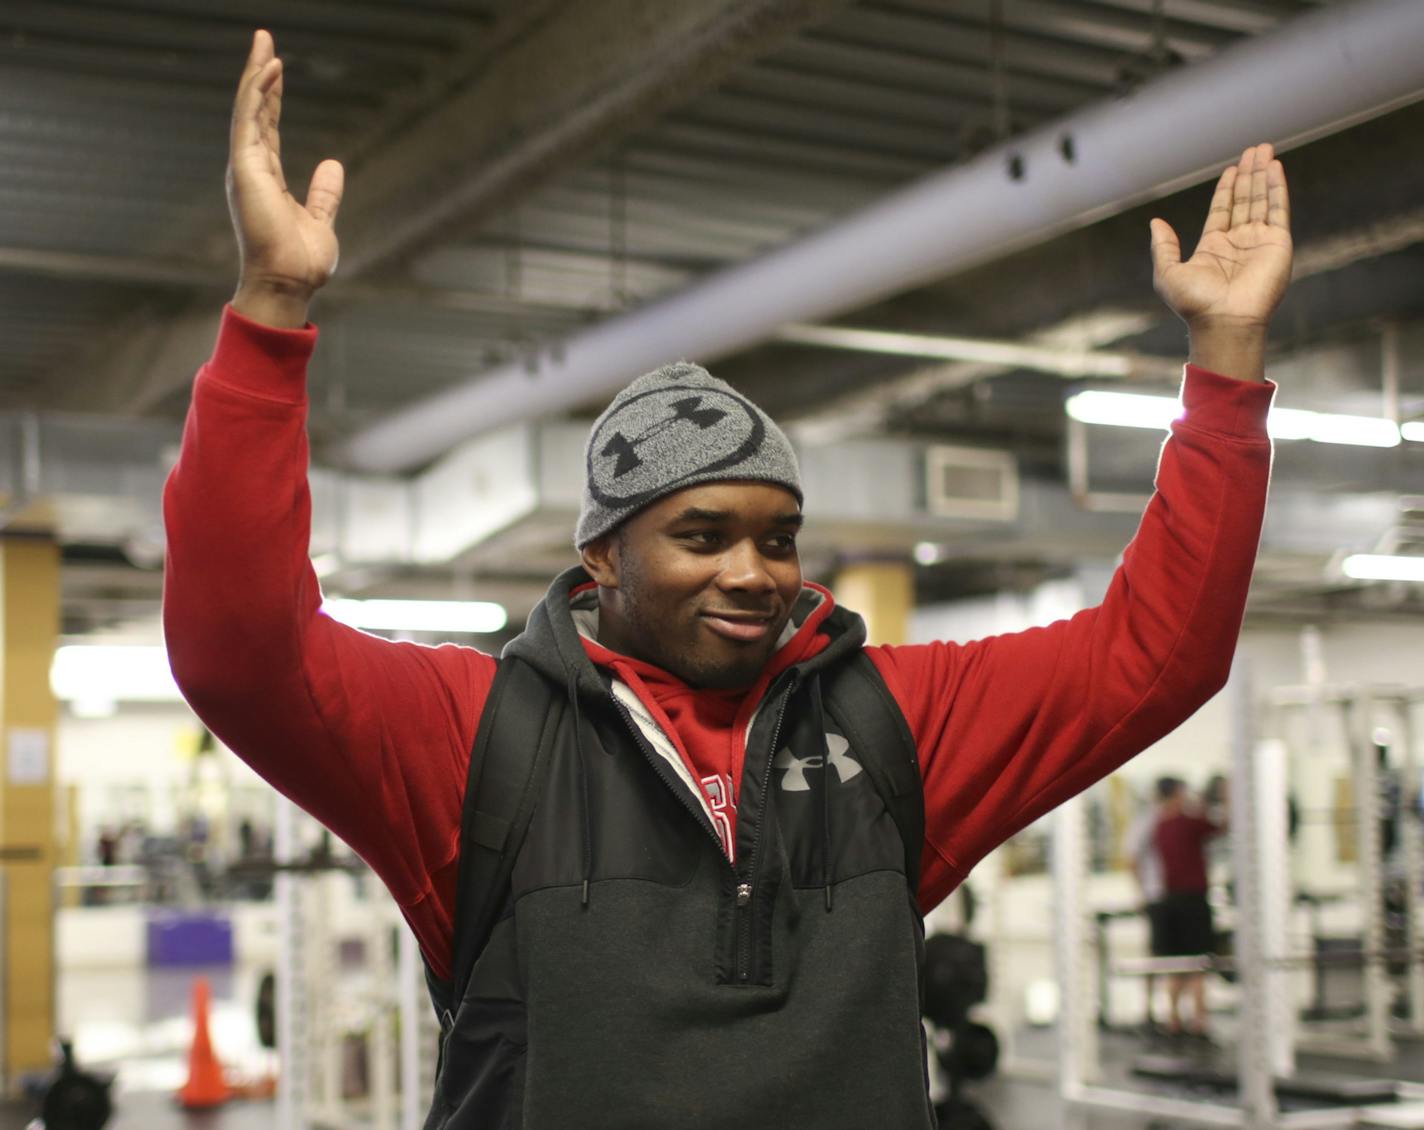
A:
(113, 122)
(113, 137)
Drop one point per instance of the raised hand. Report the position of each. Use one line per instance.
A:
(1228, 289)
(288, 248)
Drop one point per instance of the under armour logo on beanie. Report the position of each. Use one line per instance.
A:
(669, 429)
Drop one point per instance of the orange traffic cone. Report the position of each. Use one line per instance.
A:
(205, 1087)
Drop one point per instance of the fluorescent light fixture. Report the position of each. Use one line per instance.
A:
(478, 616)
(1139, 410)
(1123, 409)
(1412, 431)
(1383, 567)
(93, 708)
(100, 674)
(1290, 423)
(1332, 427)
(1051, 359)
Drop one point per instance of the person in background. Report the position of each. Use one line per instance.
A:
(1141, 848)
(108, 846)
(1187, 929)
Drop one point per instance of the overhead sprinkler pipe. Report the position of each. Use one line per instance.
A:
(1313, 76)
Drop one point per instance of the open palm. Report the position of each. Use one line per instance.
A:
(1242, 263)
(285, 244)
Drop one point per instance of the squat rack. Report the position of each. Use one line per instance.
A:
(1258, 851)
(1361, 707)
(308, 1035)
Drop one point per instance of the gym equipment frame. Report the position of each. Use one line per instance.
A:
(1265, 1049)
(312, 1021)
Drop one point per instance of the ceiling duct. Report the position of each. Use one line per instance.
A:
(505, 504)
(971, 483)
(1316, 75)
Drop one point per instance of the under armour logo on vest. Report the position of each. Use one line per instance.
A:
(795, 767)
(625, 450)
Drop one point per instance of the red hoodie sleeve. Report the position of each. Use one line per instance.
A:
(371, 737)
(1011, 726)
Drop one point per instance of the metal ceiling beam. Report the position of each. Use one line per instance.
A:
(1319, 74)
(1356, 205)
(131, 270)
(135, 270)
(1101, 26)
(547, 83)
(1060, 360)
(1381, 237)
(856, 413)
(547, 101)
(868, 410)
(134, 363)
(1244, 16)
(137, 360)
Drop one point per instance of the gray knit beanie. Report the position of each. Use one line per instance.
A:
(669, 429)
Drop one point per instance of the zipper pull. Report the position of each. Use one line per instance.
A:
(744, 894)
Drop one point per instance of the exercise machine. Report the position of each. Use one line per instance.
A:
(386, 1015)
(1265, 1051)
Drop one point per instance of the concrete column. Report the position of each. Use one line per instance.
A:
(883, 592)
(29, 630)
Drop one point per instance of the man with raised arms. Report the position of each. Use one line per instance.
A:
(713, 919)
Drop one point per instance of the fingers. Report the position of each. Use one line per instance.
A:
(262, 72)
(1259, 169)
(1277, 197)
(1218, 216)
(268, 118)
(324, 194)
(1251, 192)
(271, 113)
(1241, 190)
(1166, 248)
(259, 55)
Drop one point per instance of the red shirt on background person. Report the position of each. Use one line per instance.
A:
(1181, 838)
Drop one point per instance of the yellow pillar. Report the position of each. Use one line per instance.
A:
(883, 592)
(29, 631)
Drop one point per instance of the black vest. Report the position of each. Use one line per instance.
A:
(636, 978)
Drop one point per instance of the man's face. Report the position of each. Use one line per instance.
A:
(702, 582)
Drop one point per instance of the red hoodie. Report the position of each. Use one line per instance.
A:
(373, 737)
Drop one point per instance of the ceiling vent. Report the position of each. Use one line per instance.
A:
(972, 483)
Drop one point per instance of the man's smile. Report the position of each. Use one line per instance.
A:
(744, 627)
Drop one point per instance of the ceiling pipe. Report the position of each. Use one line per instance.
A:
(1314, 76)
(1058, 360)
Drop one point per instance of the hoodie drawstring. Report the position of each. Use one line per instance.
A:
(585, 805)
(820, 720)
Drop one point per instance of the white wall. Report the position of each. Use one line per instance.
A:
(139, 764)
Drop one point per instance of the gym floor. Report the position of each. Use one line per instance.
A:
(136, 1025)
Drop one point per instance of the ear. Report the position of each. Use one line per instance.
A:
(600, 560)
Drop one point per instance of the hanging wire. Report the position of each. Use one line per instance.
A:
(998, 77)
(618, 229)
(1139, 67)
(514, 258)
(1159, 52)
